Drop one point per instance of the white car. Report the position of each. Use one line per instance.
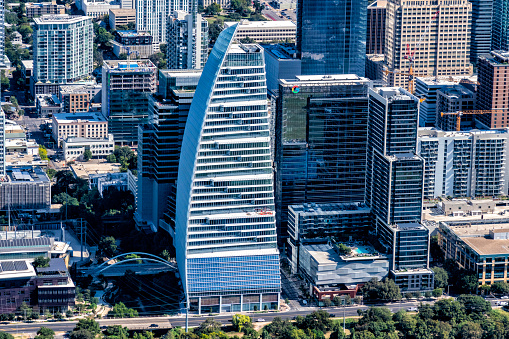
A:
(504, 297)
(260, 320)
(412, 309)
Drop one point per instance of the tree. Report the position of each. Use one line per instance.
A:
(116, 332)
(241, 321)
(207, 327)
(5, 82)
(437, 292)
(87, 155)
(81, 334)
(111, 158)
(448, 310)
(121, 311)
(470, 330)
(51, 173)
(337, 334)
(43, 152)
(474, 303)
(88, 324)
(500, 288)
(215, 28)
(248, 40)
(45, 333)
(213, 9)
(318, 320)
(428, 294)
(69, 314)
(5, 335)
(381, 290)
(441, 277)
(107, 247)
(408, 295)
(40, 261)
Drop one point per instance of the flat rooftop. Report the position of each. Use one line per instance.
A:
(446, 80)
(83, 170)
(129, 66)
(132, 34)
(313, 80)
(61, 18)
(74, 117)
(330, 209)
(281, 51)
(26, 174)
(12, 269)
(245, 24)
(432, 132)
(123, 11)
(324, 254)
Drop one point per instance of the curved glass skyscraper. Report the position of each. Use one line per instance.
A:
(225, 223)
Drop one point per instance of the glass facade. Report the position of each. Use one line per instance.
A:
(500, 29)
(225, 234)
(321, 138)
(331, 36)
(480, 40)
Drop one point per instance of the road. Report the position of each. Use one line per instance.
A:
(65, 326)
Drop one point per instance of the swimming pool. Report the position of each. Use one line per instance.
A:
(362, 250)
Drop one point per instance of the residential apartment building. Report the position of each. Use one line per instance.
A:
(493, 91)
(464, 164)
(159, 149)
(454, 99)
(500, 26)
(375, 39)
(138, 43)
(77, 99)
(394, 186)
(321, 125)
(47, 104)
(481, 33)
(43, 8)
(83, 125)
(444, 50)
(127, 85)
(331, 36)
(225, 215)
(27, 68)
(2, 143)
(121, 17)
(152, 16)
(265, 31)
(4, 60)
(188, 41)
(63, 50)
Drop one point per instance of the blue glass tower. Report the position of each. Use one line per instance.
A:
(480, 38)
(225, 231)
(331, 36)
(500, 29)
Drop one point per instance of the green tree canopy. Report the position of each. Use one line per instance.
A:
(88, 324)
(45, 333)
(40, 261)
(107, 247)
(441, 277)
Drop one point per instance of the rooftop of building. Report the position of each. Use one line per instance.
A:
(324, 254)
(375, 57)
(28, 64)
(143, 65)
(245, 24)
(54, 265)
(20, 160)
(132, 34)
(458, 91)
(329, 209)
(445, 80)
(281, 51)
(11, 269)
(245, 48)
(61, 18)
(432, 132)
(48, 100)
(73, 139)
(378, 4)
(26, 174)
(403, 156)
(394, 93)
(497, 58)
(74, 117)
(84, 170)
(123, 11)
(41, 4)
(313, 80)
(405, 226)
(65, 89)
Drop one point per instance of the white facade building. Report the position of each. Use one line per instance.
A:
(63, 48)
(97, 9)
(266, 31)
(74, 147)
(225, 231)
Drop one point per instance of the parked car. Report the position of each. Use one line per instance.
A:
(260, 320)
(412, 309)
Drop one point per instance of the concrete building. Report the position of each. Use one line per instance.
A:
(493, 93)
(452, 99)
(331, 36)
(312, 223)
(500, 22)
(284, 4)
(152, 16)
(478, 245)
(62, 55)
(320, 128)
(82, 125)
(27, 68)
(137, 43)
(324, 268)
(76, 99)
(280, 63)
(375, 39)
(106, 180)
(481, 33)
(4, 60)
(226, 154)
(47, 105)
(121, 17)
(457, 163)
(25, 188)
(462, 208)
(98, 8)
(265, 31)
(444, 51)
(74, 147)
(188, 41)
(126, 88)
(43, 8)
(16, 38)
(375, 67)
(159, 149)
(2, 144)
(222, 3)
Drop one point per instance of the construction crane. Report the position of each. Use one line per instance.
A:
(459, 114)
(410, 55)
(129, 52)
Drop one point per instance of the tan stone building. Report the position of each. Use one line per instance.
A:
(81, 125)
(121, 17)
(444, 49)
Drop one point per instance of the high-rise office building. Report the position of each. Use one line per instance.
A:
(63, 50)
(225, 233)
(126, 87)
(394, 185)
(331, 36)
(152, 16)
(492, 92)
(480, 40)
(4, 61)
(452, 99)
(159, 148)
(2, 143)
(185, 49)
(443, 50)
(375, 39)
(500, 25)
(320, 141)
